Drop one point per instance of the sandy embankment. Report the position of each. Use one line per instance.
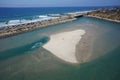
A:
(63, 45)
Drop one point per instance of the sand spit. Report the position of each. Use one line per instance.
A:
(103, 18)
(11, 30)
(22, 28)
(63, 45)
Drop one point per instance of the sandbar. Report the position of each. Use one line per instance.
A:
(63, 45)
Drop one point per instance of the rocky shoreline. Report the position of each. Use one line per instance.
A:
(110, 14)
(7, 31)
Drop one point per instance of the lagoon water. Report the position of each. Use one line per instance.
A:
(22, 57)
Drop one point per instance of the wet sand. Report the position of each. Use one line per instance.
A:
(84, 49)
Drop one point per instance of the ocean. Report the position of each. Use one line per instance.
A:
(13, 16)
(22, 57)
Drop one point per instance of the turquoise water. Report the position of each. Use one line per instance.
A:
(23, 58)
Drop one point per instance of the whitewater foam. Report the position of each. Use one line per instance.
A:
(23, 21)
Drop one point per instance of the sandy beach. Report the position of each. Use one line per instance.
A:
(103, 18)
(63, 45)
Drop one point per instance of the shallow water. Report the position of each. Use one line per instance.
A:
(19, 62)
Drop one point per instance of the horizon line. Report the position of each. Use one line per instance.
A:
(55, 6)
